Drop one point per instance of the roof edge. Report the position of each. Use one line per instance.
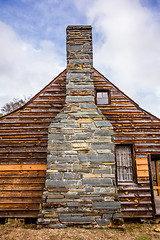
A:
(127, 96)
(56, 78)
(34, 97)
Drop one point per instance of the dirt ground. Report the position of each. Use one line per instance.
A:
(135, 231)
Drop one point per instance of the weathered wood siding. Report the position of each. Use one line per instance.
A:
(23, 148)
(23, 151)
(132, 125)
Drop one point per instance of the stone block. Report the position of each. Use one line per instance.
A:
(80, 146)
(109, 198)
(88, 106)
(103, 222)
(61, 167)
(91, 175)
(84, 120)
(89, 189)
(51, 158)
(56, 200)
(104, 132)
(106, 205)
(59, 117)
(93, 198)
(108, 176)
(77, 214)
(56, 136)
(72, 152)
(99, 158)
(70, 175)
(98, 146)
(46, 221)
(105, 190)
(74, 47)
(57, 189)
(103, 123)
(117, 215)
(63, 182)
(81, 61)
(72, 196)
(57, 226)
(73, 77)
(55, 196)
(83, 114)
(88, 126)
(63, 146)
(100, 151)
(76, 220)
(54, 175)
(54, 125)
(54, 220)
(97, 182)
(72, 99)
(81, 136)
(107, 215)
(67, 159)
(72, 204)
(70, 125)
(107, 170)
(106, 139)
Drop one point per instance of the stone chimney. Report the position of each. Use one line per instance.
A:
(80, 179)
(79, 77)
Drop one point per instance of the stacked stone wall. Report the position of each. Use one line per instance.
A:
(80, 180)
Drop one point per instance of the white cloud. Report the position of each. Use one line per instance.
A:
(25, 70)
(127, 49)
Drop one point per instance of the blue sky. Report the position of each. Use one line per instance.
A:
(126, 36)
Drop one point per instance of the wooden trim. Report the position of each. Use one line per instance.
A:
(157, 176)
(135, 178)
(156, 187)
(23, 167)
(115, 165)
(151, 187)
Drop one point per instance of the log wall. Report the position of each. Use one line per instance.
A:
(23, 151)
(135, 126)
(23, 148)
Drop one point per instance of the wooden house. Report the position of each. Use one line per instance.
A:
(24, 141)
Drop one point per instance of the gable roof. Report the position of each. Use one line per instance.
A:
(62, 75)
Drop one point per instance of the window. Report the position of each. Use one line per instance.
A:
(124, 163)
(102, 97)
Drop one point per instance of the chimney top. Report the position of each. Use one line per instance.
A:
(74, 27)
(79, 64)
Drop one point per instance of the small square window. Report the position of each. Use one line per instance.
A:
(102, 97)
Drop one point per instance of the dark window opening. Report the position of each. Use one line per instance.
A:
(102, 97)
(124, 160)
(155, 168)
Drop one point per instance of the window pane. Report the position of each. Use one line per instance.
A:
(99, 94)
(100, 101)
(105, 94)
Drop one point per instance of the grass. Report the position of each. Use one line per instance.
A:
(143, 237)
(132, 231)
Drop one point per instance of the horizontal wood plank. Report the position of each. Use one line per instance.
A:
(16, 167)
